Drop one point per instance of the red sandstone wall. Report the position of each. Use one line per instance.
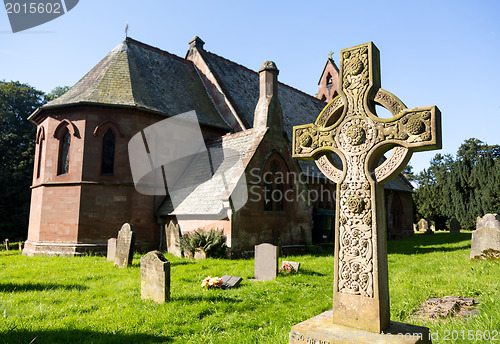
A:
(253, 225)
(84, 206)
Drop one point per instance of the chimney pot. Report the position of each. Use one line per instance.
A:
(270, 66)
(196, 42)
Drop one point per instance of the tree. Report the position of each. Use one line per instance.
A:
(56, 93)
(464, 187)
(430, 196)
(17, 136)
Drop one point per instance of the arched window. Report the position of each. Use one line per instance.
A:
(64, 145)
(39, 162)
(108, 153)
(39, 141)
(329, 79)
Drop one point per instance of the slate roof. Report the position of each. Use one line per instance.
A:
(228, 158)
(140, 76)
(241, 86)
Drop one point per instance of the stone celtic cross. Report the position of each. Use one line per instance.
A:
(349, 127)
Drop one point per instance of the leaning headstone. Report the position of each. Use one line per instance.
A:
(294, 265)
(423, 225)
(125, 246)
(20, 246)
(229, 282)
(6, 244)
(266, 262)
(486, 238)
(349, 127)
(111, 250)
(454, 226)
(155, 277)
(172, 236)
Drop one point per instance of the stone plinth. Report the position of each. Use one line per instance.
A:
(321, 329)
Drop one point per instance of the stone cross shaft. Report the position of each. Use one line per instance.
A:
(349, 127)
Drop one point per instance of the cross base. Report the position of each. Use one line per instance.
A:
(321, 330)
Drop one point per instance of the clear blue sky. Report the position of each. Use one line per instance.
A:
(433, 52)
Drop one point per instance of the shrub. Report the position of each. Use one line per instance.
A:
(212, 242)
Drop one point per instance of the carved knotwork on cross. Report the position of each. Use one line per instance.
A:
(349, 127)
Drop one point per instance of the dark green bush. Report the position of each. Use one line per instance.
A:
(212, 242)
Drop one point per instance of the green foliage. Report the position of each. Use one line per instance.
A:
(464, 187)
(17, 138)
(88, 300)
(56, 93)
(408, 172)
(212, 242)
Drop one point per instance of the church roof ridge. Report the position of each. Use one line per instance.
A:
(236, 64)
(156, 49)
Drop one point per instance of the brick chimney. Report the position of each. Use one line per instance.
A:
(268, 113)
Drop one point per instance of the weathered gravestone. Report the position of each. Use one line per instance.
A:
(349, 127)
(423, 225)
(486, 238)
(229, 282)
(155, 277)
(125, 246)
(266, 262)
(111, 250)
(6, 244)
(172, 236)
(199, 254)
(454, 226)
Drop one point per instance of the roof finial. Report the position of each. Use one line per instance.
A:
(330, 54)
(126, 30)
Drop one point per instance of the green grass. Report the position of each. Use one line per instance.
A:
(88, 300)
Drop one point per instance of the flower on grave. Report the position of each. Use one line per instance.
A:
(287, 268)
(211, 282)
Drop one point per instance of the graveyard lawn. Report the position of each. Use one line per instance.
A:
(88, 300)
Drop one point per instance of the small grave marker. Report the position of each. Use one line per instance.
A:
(111, 250)
(172, 236)
(155, 277)
(125, 246)
(454, 226)
(485, 243)
(229, 282)
(266, 262)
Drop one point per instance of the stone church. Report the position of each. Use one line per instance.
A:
(83, 190)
